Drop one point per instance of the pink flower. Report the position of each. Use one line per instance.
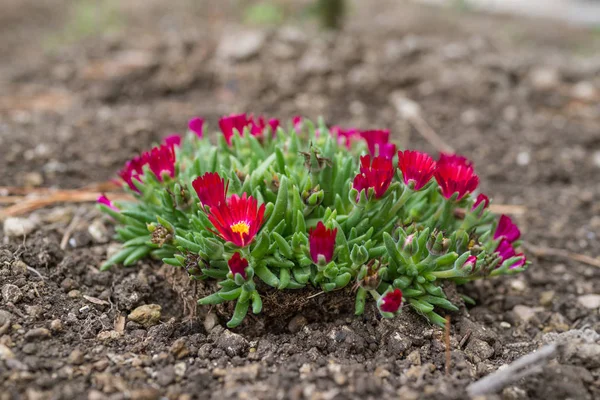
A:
(258, 125)
(378, 175)
(133, 170)
(237, 265)
(298, 122)
(470, 264)
(172, 140)
(505, 250)
(196, 125)
(446, 158)
(211, 189)
(322, 242)
(160, 160)
(417, 167)
(376, 140)
(456, 178)
(344, 136)
(482, 198)
(391, 301)
(104, 200)
(507, 229)
(232, 123)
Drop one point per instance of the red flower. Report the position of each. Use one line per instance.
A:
(446, 158)
(456, 178)
(507, 229)
(416, 167)
(376, 140)
(377, 175)
(104, 200)
(172, 140)
(237, 265)
(196, 125)
(298, 122)
(238, 219)
(322, 242)
(133, 169)
(482, 198)
(344, 136)
(258, 125)
(505, 250)
(161, 159)
(391, 301)
(211, 189)
(232, 123)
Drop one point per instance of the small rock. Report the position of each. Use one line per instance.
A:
(33, 179)
(166, 376)
(544, 78)
(19, 268)
(232, 343)
(179, 349)
(210, 321)
(517, 284)
(381, 373)
(37, 333)
(11, 293)
(297, 323)
(30, 348)
(76, 357)
(56, 325)
(180, 369)
(106, 336)
(547, 297)
(477, 350)
(74, 294)
(505, 325)
(406, 108)
(586, 354)
(239, 46)
(147, 315)
(414, 357)
(524, 313)
(5, 317)
(585, 91)
(5, 353)
(98, 231)
(523, 159)
(17, 227)
(145, 394)
(590, 301)
(407, 393)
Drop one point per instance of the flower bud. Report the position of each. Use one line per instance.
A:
(160, 234)
(391, 301)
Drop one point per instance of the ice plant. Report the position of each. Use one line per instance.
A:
(211, 189)
(417, 168)
(507, 229)
(456, 178)
(196, 125)
(237, 265)
(391, 301)
(238, 219)
(322, 243)
(311, 208)
(377, 175)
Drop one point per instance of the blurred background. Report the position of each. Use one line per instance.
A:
(512, 84)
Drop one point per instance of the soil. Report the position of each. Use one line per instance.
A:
(519, 97)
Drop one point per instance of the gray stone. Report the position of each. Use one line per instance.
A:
(37, 333)
(17, 227)
(11, 293)
(5, 317)
(590, 301)
(232, 343)
(477, 350)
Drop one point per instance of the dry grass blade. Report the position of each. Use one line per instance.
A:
(542, 252)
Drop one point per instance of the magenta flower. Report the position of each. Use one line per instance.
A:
(211, 189)
(417, 167)
(196, 125)
(172, 140)
(104, 200)
(391, 301)
(387, 150)
(470, 264)
(237, 265)
(446, 158)
(507, 229)
(482, 198)
(160, 160)
(376, 140)
(505, 250)
(133, 169)
(456, 178)
(232, 123)
(377, 175)
(298, 122)
(344, 136)
(322, 242)
(258, 125)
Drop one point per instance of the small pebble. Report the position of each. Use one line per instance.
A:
(17, 227)
(76, 357)
(147, 315)
(590, 301)
(56, 325)
(37, 333)
(11, 293)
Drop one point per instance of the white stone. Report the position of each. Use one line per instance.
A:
(590, 301)
(16, 227)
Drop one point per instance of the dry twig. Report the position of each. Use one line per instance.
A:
(527, 365)
(542, 252)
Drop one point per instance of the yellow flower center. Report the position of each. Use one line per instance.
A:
(241, 227)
